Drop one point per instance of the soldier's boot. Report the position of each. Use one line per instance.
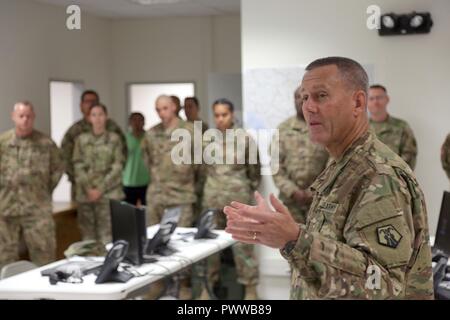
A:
(250, 292)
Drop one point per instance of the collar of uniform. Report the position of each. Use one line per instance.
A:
(299, 124)
(15, 140)
(104, 137)
(162, 130)
(336, 166)
(385, 125)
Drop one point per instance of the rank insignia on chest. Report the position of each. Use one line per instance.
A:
(389, 236)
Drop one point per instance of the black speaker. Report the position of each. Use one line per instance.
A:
(403, 24)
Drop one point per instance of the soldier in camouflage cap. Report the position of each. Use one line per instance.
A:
(88, 98)
(98, 161)
(366, 234)
(30, 168)
(172, 184)
(393, 132)
(232, 181)
(445, 156)
(300, 162)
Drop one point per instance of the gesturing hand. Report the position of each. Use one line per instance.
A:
(260, 224)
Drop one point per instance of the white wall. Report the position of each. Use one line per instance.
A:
(175, 49)
(35, 46)
(414, 68)
(106, 54)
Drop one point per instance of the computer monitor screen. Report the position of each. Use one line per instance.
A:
(442, 239)
(128, 223)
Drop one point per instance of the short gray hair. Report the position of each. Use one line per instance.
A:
(23, 103)
(350, 70)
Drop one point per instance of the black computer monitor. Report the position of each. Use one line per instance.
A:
(442, 239)
(129, 223)
(115, 256)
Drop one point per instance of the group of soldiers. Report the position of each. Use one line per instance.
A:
(93, 154)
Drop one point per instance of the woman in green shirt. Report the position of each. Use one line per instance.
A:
(135, 175)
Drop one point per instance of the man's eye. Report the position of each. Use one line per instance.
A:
(304, 98)
(322, 95)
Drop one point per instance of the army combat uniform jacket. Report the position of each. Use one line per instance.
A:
(30, 168)
(98, 162)
(300, 162)
(172, 184)
(82, 126)
(397, 135)
(366, 235)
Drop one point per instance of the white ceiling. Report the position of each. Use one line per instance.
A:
(163, 8)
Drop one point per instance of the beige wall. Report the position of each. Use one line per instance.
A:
(106, 54)
(414, 68)
(172, 50)
(35, 46)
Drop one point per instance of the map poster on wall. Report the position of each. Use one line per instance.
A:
(268, 100)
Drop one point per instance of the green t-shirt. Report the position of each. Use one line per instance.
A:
(135, 173)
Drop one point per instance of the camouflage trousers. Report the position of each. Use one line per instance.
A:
(38, 232)
(156, 212)
(94, 220)
(247, 268)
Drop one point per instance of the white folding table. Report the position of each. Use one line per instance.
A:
(31, 285)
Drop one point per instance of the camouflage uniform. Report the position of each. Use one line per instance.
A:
(397, 135)
(200, 177)
(445, 156)
(301, 162)
(368, 217)
(172, 184)
(68, 144)
(30, 169)
(98, 163)
(226, 183)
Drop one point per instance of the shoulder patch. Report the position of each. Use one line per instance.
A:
(388, 236)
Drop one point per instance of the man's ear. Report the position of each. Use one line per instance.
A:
(359, 102)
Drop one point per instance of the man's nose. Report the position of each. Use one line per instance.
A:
(310, 106)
